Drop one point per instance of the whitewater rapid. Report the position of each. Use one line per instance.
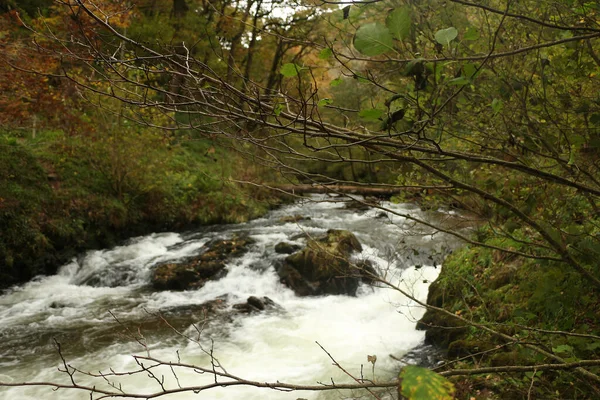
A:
(100, 308)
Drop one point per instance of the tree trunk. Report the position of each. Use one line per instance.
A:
(235, 43)
(252, 45)
(274, 73)
(180, 8)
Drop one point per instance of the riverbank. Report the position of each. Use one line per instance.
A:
(504, 308)
(61, 195)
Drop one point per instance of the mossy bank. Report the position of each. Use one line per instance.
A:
(525, 303)
(60, 194)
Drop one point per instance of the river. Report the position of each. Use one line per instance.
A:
(100, 308)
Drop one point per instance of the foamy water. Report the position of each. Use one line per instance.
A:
(276, 345)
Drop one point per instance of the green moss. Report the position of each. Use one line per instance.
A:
(61, 194)
(509, 293)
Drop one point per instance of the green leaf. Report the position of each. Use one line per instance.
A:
(470, 70)
(324, 102)
(471, 34)
(290, 70)
(419, 383)
(563, 348)
(325, 53)
(278, 109)
(371, 114)
(373, 39)
(572, 155)
(335, 82)
(593, 346)
(388, 122)
(497, 105)
(445, 36)
(399, 22)
(395, 97)
(530, 374)
(577, 141)
(595, 119)
(460, 81)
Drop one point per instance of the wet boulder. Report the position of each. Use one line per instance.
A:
(286, 248)
(255, 304)
(324, 266)
(176, 277)
(295, 281)
(293, 218)
(195, 272)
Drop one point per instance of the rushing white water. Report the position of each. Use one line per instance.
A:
(79, 306)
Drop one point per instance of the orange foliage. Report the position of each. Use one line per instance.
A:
(34, 58)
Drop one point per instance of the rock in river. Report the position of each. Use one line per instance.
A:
(286, 248)
(255, 304)
(194, 273)
(324, 267)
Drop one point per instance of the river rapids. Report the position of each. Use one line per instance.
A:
(101, 310)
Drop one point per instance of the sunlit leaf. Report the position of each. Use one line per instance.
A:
(373, 39)
(326, 53)
(335, 82)
(371, 114)
(419, 383)
(399, 22)
(278, 109)
(445, 36)
(563, 348)
(289, 70)
(324, 102)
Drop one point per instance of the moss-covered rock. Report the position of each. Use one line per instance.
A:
(441, 329)
(324, 267)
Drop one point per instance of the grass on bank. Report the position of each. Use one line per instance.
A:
(60, 194)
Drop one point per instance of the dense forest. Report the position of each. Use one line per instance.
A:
(125, 117)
